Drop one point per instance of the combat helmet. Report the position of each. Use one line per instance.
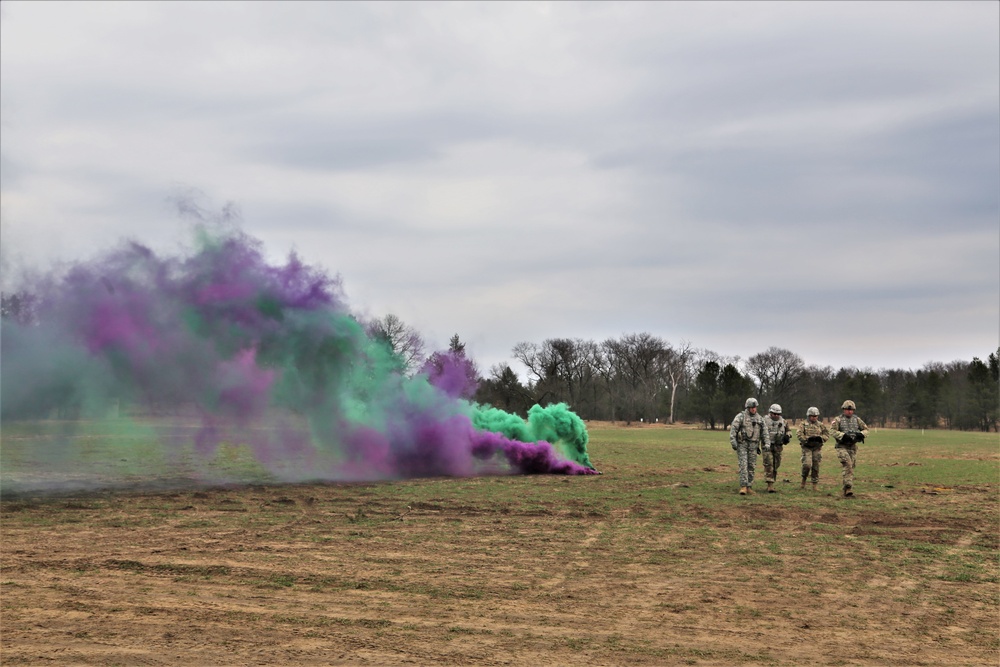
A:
(848, 404)
(775, 408)
(812, 411)
(751, 403)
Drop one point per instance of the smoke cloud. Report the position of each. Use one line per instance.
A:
(214, 366)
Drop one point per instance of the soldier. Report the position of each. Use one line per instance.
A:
(812, 434)
(848, 430)
(746, 435)
(778, 437)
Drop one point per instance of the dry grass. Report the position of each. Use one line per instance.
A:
(656, 562)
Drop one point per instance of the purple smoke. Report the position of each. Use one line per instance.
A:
(266, 359)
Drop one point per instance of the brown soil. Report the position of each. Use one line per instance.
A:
(347, 575)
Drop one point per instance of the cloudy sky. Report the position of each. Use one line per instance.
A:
(822, 177)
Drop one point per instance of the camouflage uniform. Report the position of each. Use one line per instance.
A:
(747, 433)
(777, 430)
(846, 430)
(812, 451)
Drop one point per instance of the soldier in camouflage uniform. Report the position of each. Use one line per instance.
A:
(746, 435)
(848, 430)
(812, 434)
(777, 437)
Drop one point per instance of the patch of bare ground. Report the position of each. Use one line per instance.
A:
(354, 575)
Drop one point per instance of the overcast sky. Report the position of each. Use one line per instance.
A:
(818, 176)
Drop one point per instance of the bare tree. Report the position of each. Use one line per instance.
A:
(674, 362)
(402, 340)
(614, 373)
(637, 366)
(589, 394)
(601, 360)
(570, 364)
(556, 368)
(530, 355)
(777, 372)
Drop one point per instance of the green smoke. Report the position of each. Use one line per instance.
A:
(555, 424)
(216, 366)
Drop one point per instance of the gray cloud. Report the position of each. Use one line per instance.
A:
(518, 171)
(359, 143)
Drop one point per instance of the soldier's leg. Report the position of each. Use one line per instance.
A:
(769, 465)
(751, 464)
(853, 452)
(806, 462)
(847, 466)
(817, 457)
(776, 454)
(741, 456)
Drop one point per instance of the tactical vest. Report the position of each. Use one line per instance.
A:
(777, 430)
(753, 432)
(810, 430)
(849, 424)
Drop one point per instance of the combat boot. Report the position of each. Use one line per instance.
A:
(815, 486)
(770, 487)
(848, 492)
(743, 490)
(803, 487)
(749, 490)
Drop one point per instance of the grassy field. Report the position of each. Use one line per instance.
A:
(656, 562)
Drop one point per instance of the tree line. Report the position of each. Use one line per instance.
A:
(642, 377)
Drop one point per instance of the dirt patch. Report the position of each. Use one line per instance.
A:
(328, 574)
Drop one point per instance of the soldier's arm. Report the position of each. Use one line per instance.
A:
(734, 428)
(825, 434)
(835, 429)
(863, 427)
(803, 438)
